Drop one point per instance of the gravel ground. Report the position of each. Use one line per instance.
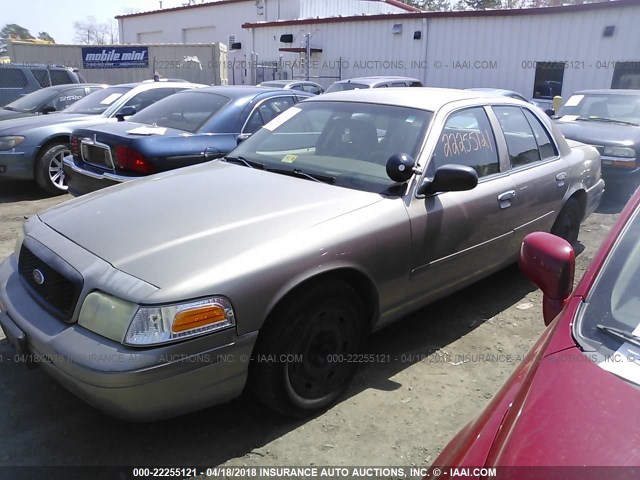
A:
(441, 366)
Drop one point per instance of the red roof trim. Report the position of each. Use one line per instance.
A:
(477, 13)
(185, 7)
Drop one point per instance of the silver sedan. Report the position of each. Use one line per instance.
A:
(269, 268)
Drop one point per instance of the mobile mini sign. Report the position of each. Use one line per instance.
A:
(115, 57)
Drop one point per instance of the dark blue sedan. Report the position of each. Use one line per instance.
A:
(187, 128)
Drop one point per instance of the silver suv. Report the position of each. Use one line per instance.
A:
(17, 79)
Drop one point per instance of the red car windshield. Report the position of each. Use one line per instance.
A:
(609, 324)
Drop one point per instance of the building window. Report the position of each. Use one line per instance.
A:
(548, 80)
(626, 75)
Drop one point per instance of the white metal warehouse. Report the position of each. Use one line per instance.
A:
(541, 51)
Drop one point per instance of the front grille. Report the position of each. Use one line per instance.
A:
(58, 293)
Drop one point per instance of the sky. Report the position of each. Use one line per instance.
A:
(56, 17)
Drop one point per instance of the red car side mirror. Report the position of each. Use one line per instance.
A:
(549, 262)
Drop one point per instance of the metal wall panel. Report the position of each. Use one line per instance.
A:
(201, 63)
(461, 52)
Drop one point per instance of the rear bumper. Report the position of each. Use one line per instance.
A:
(81, 180)
(594, 197)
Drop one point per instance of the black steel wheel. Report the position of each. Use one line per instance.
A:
(306, 352)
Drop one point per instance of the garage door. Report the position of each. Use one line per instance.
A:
(199, 35)
(150, 37)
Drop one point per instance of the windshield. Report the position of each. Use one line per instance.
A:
(32, 101)
(187, 111)
(618, 107)
(346, 142)
(97, 102)
(613, 306)
(339, 87)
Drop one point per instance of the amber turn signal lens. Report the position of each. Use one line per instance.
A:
(198, 317)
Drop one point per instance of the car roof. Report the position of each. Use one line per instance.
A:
(495, 91)
(609, 91)
(426, 98)
(64, 86)
(155, 84)
(375, 79)
(239, 91)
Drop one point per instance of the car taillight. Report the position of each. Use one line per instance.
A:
(74, 143)
(129, 159)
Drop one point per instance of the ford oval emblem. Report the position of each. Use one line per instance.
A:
(38, 277)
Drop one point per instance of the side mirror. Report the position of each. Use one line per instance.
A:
(400, 167)
(450, 178)
(242, 137)
(550, 111)
(47, 109)
(549, 262)
(125, 112)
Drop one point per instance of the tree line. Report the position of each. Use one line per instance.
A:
(86, 32)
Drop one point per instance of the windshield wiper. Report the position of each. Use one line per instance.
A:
(296, 172)
(621, 334)
(11, 109)
(605, 120)
(245, 162)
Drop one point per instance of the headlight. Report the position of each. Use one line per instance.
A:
(624, 152)
(154, 325)
(9, 142)
(106, 315)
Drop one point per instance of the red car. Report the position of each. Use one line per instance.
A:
(573, 400)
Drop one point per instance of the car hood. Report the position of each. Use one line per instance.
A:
(598, 133)
(573, 413)
(9, 114)
(18, 125)
(169, 226)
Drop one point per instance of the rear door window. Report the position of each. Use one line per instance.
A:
(521, 142)
(42, 76)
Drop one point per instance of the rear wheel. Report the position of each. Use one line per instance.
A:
(567, 225)
(303, 360)
(49, 174)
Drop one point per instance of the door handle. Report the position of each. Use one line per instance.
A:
(211, 154)
(505, 198)
(560, 178)
(510, 195)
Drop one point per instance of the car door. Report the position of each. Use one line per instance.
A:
(456, 236)
(539, 173)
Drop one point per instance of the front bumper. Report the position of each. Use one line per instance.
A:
(81, 180)
(139, 384)
(17, 164)
(618, 176)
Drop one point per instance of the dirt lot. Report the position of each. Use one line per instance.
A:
(400, 412)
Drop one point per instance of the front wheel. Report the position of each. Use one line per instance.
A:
(49, 174)
(306, 351)
(567, 225)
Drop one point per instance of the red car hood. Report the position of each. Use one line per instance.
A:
(573, 413)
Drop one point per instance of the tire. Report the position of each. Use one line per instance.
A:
(316, 330)
(48, 171)
(567, 225)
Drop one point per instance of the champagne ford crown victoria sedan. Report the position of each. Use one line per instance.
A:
(267, 269)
